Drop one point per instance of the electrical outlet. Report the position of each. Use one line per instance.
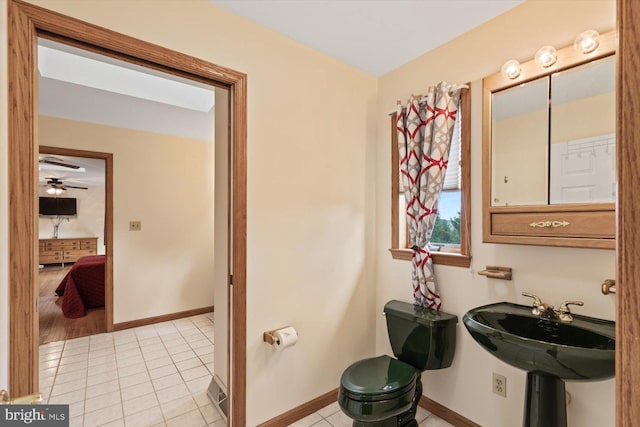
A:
(499, 384)
(135, 225)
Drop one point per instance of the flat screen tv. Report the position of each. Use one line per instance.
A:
(58, 206)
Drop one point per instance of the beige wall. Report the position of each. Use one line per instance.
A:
(167, 183)
(556, 274)
(311, 140)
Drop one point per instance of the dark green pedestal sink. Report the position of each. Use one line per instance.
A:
(550, 350)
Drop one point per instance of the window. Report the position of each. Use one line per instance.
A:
(451, 238)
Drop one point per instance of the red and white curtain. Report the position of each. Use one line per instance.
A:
(425, 127)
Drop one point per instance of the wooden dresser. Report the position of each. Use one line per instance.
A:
(56, 251)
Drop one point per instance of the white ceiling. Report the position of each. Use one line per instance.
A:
(76, 84)
(376, 36)
(70, 101)
(90, 174)
(59, 61)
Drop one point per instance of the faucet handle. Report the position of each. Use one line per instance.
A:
(565, 312)
(537, 302)
(564, 307)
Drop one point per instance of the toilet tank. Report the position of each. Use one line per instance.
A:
(421, 337)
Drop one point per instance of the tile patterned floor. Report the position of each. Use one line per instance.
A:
(150, 376)
(154, 375)
(332, 416)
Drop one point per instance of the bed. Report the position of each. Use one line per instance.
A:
(83, 286)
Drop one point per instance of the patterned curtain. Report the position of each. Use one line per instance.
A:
(425, 127)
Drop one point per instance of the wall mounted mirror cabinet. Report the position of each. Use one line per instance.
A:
(549, 150)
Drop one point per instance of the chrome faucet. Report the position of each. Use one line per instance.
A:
(547, 311)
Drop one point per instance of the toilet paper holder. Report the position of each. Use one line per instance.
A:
(269, 336)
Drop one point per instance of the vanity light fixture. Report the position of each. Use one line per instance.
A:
(587, 41)
(546, 56)
(511, 69)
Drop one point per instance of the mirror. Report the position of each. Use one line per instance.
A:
(549, 173)
(553, 139)
(583, 136)
(519, 134)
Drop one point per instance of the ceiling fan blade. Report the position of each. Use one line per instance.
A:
(58, 162)
(76, 186)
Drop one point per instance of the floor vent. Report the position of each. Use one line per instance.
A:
(217, 393)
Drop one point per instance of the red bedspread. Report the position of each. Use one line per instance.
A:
(83, 286)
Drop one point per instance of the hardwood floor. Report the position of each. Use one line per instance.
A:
(53, 325)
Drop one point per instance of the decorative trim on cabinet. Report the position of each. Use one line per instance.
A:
(554, 224)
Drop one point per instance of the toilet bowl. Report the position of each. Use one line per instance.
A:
(384, 391)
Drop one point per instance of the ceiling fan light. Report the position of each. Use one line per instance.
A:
(55, 191)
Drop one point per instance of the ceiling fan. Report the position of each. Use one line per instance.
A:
(50, 160)
(57, 187)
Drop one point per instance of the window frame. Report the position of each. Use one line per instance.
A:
(463, 258)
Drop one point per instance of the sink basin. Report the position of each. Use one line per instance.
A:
(550, 351)
(583, 349)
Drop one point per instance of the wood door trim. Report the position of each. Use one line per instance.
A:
(108, 220)
(628, 245)
(25, 23)
(23, 263)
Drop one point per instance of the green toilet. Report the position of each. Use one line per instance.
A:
(383, 391)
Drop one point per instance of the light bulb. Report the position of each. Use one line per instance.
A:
(56, 191)
(546, 56)
(511, 69)
(587, 41)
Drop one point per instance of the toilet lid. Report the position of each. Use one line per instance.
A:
(378, 378)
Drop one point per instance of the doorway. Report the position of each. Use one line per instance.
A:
(96, 215)
(26, 23)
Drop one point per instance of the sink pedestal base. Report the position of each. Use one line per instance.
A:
(545, 402)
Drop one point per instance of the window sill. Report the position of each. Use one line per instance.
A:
(440, 258)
